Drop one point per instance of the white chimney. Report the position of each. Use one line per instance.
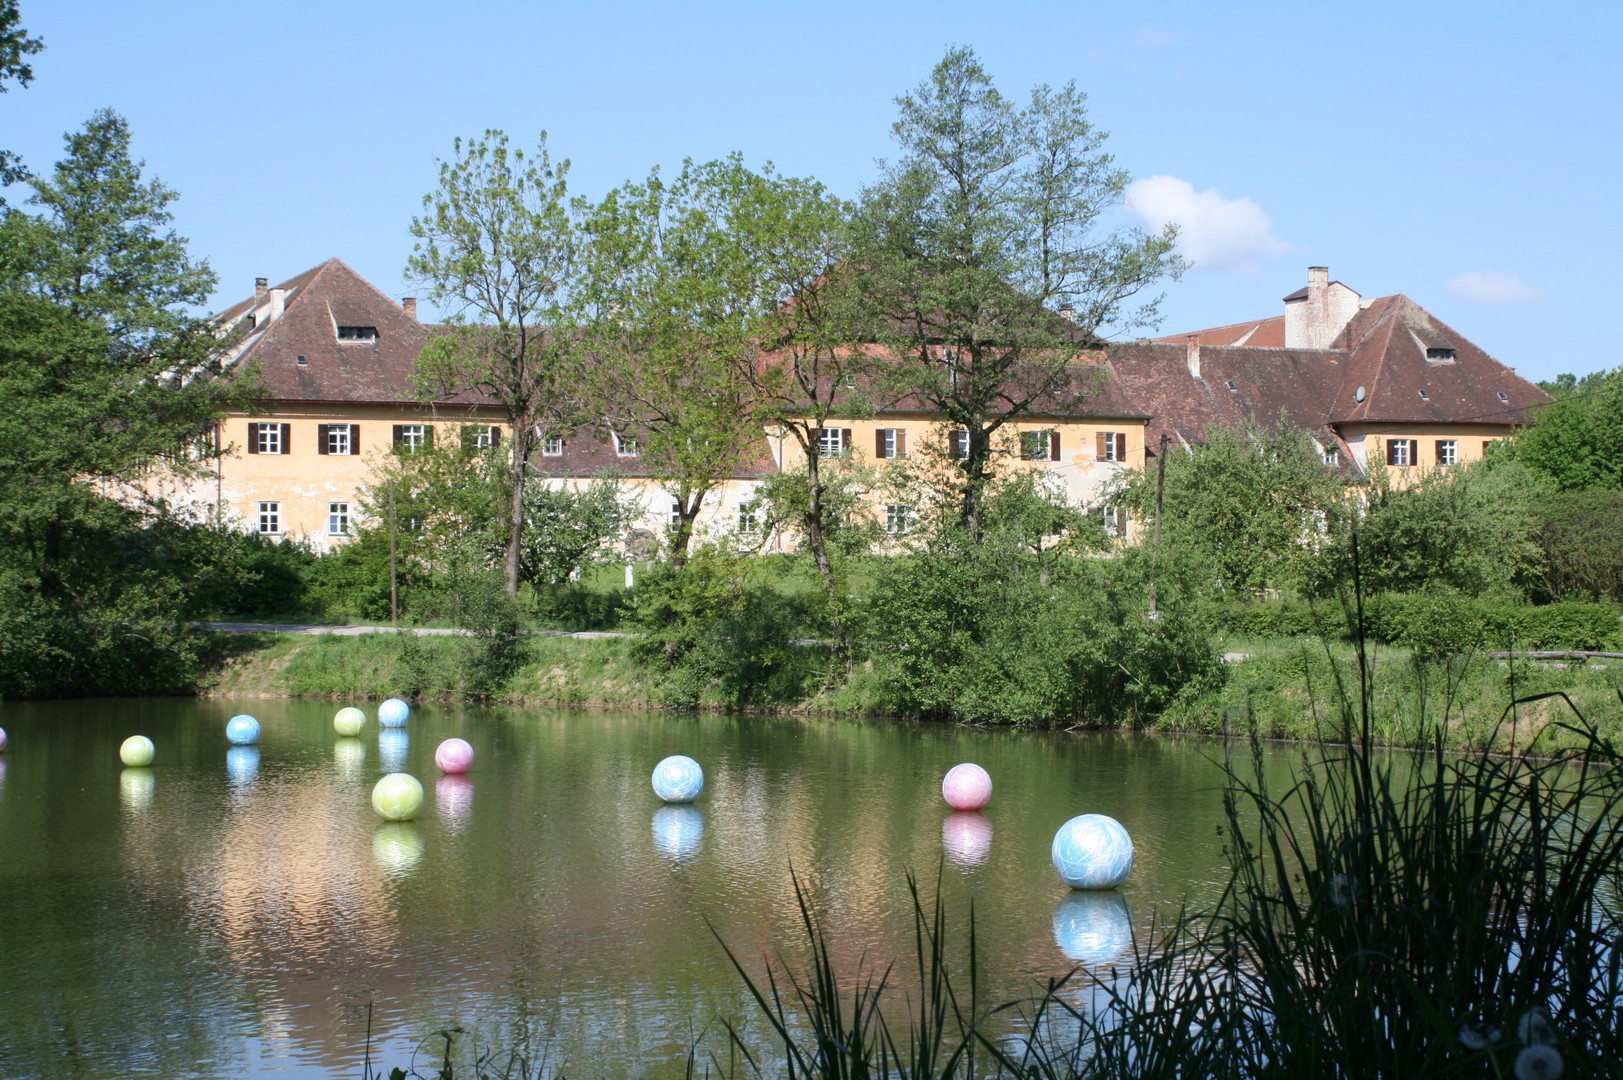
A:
(1314, 316)
(278, 303)
(1192, 355)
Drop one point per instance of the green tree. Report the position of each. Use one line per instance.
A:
(497, 246)
(15, 48)
(985, 255)
(1581, 534)
(1578, 440)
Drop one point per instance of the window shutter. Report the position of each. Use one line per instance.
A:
(399, 434)
(1121, 446)
(253, 438)
(355, 438)
(428, 436)
(495, 436)
(1053, 446)
(816, 436)
(1101, 451)
(901, 442)
(845, 440)
(468, 435)
(287, 438)
(879, 443)
(321, 438)
(1439, 449)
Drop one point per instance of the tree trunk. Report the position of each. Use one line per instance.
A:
(515, 523)
(975, 469)
(687, 512)
(841, 649)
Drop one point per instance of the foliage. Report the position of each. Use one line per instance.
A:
(1252, 502)
(570, 529)
(1578, 440)
(1581, 534)
(982, 255)
(497, 245)
(15, 47)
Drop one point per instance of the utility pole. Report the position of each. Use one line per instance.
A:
(394, 588)
(1160, 491)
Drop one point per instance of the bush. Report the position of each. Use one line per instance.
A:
(1581, 535)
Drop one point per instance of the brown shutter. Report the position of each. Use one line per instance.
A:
(816, 436)
(355, 438)
(845, 440)
(879, 443)
(495, 436)
(287, 438)
(1053, 446)
(253, 438)
(399, 434)
(1101, 452)
(321, 438)
(1121, 446)
(901, 442)
(1439, 449)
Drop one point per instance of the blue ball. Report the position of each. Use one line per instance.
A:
(1093, 927)
(242, 730)
(394, 713)
(1093, 851)
(678, 779)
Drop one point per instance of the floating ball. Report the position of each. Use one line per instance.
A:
(397, 847)
(1093, 851)
(967, 838)
(678, 832)
(393, 745)
(678, 779)
(137, 752)
(394, 713)
(242, 730)
(242, 765)
(454, 756)
(397, 797)
(1093, 927)
(2, 740)
(349, 722)
(967, 787)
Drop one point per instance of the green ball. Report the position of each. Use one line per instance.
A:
(349, 722)
(137, 751)
(397, 797)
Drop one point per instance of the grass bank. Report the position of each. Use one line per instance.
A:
(1284, 687)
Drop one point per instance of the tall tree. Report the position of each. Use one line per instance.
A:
(987, 260)
(676, 300)
(497, 247)
(15, 48)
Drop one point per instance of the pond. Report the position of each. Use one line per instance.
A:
(243, 912)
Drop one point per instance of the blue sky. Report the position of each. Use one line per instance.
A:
(1466, 155)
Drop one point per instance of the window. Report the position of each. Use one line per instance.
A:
(1424, 395)
(1448, 452)
(337, 519)
(676, 511)
(1440, 355)
(411, 438)
(1331, 455)
(268, 438)
(1114, 521)
(302, 360)
(1230, 384)
(890, 443)
(1503, 396)
(748, 520)
(1112, 446)
(898, 519)
(270, 518)
(1039, 445)
(341, 439)
(832, 441)
(552, 446)
(959, 443)
(478, 437)
(1401, 452)
(357, 333)
(850, 381)
(625, 445)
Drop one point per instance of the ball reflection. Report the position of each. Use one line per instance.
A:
(392, 746)
(453, 800)
(678, 831)
(349, 757)
(242, 765)
(1093, 927)
(135, 787)
(967, 838)
(397, 847)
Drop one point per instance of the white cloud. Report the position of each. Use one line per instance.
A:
(1214, 232)
(1151, 35)
(1493, 287)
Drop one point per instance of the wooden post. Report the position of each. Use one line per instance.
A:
(1160, 491)
(394, 588)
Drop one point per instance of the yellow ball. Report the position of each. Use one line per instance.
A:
(137, 751)
(349, 722)
(397, 797)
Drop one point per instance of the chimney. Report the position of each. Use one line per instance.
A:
(409, 306)
(1193, 355)
(1318, 280)
(278, 301)
(259, 287)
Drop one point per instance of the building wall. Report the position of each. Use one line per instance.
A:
(1368, 443)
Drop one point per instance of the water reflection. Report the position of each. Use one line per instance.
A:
(397, 846)
(678, 832)
(392, 746)
(1093, 927)
(453, 800)
(967, 838)
(2, 775)
(242, 765)
(135, 788)
(349, 757)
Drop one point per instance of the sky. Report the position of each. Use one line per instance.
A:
(1464, 154)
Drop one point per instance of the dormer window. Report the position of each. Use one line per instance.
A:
(1229, 383)
(1503, 396)
(1424, 395)
(302, 360)
(357, 333)
(1439, 355)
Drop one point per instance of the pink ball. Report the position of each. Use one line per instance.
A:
(967, 787)
(2, 738)
(454, 756)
